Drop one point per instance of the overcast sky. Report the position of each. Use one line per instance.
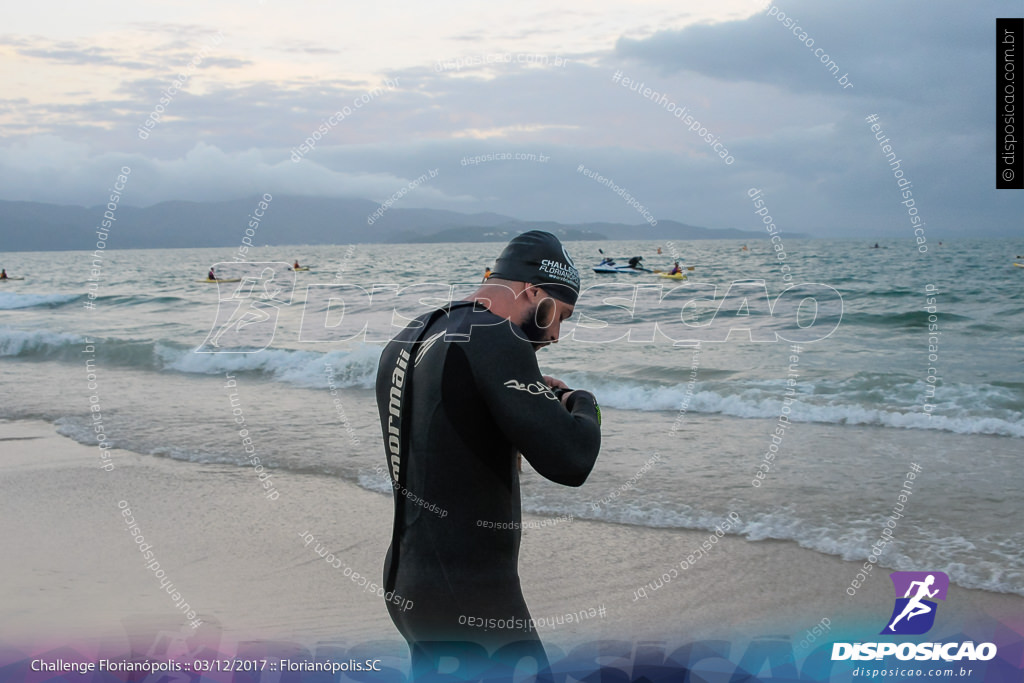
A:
(79, 79)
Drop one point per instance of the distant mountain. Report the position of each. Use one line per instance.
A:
(31, 226)
(505, 232)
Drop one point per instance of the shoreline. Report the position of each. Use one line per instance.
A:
(239, 561)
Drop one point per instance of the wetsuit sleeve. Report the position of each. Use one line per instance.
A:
(562, 445)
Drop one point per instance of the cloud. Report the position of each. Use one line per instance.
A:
(793, 131)
(307, 49)
(91, 56)
(889, 50)
(204, 173)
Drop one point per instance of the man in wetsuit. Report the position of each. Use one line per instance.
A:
(460, 394)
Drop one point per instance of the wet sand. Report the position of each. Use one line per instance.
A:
(72, 573)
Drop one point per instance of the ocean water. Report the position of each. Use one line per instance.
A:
(688, 418)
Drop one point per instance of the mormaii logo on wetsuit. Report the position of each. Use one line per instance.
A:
(395, 413)
(914, 614)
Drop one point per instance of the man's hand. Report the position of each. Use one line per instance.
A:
(555, 383)
(562, 390)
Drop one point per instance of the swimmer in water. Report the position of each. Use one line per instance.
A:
(460, 395)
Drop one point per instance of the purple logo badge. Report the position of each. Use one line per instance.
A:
(914, 611)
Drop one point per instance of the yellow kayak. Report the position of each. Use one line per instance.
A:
(677, 276)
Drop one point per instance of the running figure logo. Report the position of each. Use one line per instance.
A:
(249, 303)
(914, 614)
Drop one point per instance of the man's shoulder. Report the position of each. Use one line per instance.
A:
(479, 326)
(476, 329)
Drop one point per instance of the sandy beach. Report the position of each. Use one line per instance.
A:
(238, 559)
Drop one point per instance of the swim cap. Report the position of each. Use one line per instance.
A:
(539, 258)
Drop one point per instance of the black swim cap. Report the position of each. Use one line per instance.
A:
(539, 258)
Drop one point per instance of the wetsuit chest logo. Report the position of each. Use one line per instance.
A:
(536, 388)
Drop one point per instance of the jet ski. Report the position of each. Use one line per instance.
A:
(609, 267)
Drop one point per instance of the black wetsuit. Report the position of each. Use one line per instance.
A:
(454, 430)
